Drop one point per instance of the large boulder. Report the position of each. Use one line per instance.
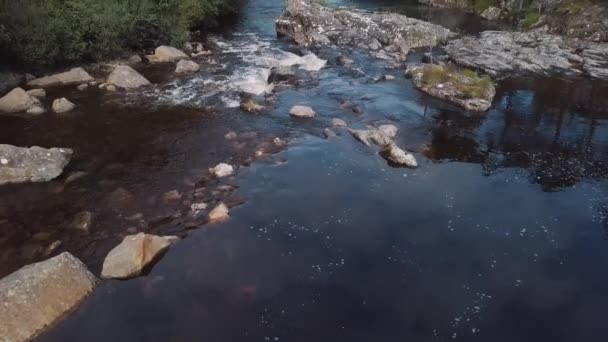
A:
(166, 53)
(35, 164)
(126, 77)
(186, 66)
(389, 35)
(38, 295)
(18, 100)
(72, 77)
(133, 255)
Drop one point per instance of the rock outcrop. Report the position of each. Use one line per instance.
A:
(18, 100)
(388, 35)
(35, 164)
(38, 295)
(500, 53)
(126, 77)
(166, 53)
(72, 77)
(133, 255)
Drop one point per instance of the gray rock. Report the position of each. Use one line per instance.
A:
(36, 110)
(222, 170)
(38, 295)
(491, 13)
(62, 105)
(186, 66)
(282, 73)
(398, 157)
(302, 112)
(133, 255)
(135, 59)
(40, 94)
(17, 101)
(344, 60)
(328, 133)
(71, 77)
(338, 122)
(165, 53)
(126, 77)
(377, 136)
(308, 23)
(35, 164)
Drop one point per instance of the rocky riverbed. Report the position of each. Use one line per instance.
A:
(262, 195)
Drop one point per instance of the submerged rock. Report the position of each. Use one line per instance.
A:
(166, 53)
(309, 23)
(186, 66)
(380, 136)
(133, 255)
(17, 100)
(344, 60)
(251, 106)
(465, 89)
(71, 77)
(38, 295)
(302, 112)
(82, 221)
(222, 170)
(36, 110)
(328, 133)
(35, 164)
(338, 122)
(219, 214)
(63, 105)
(282, 73)
(398, 157)
(126, 77)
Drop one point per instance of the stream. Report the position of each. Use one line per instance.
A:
(500, 234)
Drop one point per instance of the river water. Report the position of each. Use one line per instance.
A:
(499, 235)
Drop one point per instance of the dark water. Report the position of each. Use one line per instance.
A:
(499, 235)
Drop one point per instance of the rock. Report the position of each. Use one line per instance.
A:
(17, 100)
(35, 164)
(50, 249)
(282, 73)
(328, 133)
(133, 255)
(251, 106)
(83, 87)
(74, 176)
(72, 77)
(188, 47)
(500, 53)
(302, 112)
(36, 110)
(219, 214)
(62, 105)
(126, 77)
(166, 54)
(361, 135)
(40, 94)
(9, 80)
(344, 60)
(120, 198)
(197, 207)
(338, 122)
(389, 77)
(491, 13)
(135, 59)
(38, 295)
(388, 130)
(111, 88)
(230, 136)
(222, 170)
(398, 157)
(469, 92)
(309, 23)
(82, 222)
(172, 196)
(186, 66)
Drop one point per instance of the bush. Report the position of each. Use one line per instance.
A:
(51, 32)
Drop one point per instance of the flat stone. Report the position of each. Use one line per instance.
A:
(71, 77)
(126, 77)
(133, 255)
(338, 122)
(219, 214)
(398, 157)
(302, 112)
(38, 295)
(35, 164)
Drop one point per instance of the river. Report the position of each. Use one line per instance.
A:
(501, 234)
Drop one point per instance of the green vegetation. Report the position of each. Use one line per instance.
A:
(466, 81)
(51, 32)
(530, 19)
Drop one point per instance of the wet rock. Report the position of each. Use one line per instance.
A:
(186, 66)
(309, 23)
(328, 133)
(198, 207)
(126, 77)
(165, 53)
(135, 59)
(38, 295)
(230, 136)
(398, 157)
(222, 170)
(62, 105)
(389, 77)
(40, 94)
(17, 100)
(71, 77)
(35, 164)
(361, 135)
(338, 122)
(251, 106)
(491, 13)
(172, 196)
(302, 112)
(344, 60)
(389, 131)
(377, 136)
(83, 87)
(219, 214)
(50, 249)
(36, 110)
(500, 53)
(468, 91)
(133, 255)
(282, 73)
(120, 198)
(82, 222)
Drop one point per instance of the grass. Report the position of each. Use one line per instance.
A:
(530, 19)
(466, 81)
